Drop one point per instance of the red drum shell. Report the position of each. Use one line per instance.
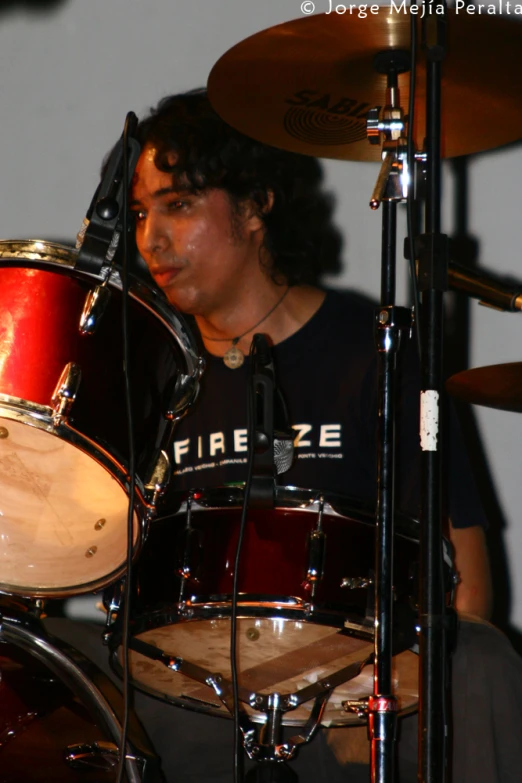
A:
(274, 554)
(39, 335)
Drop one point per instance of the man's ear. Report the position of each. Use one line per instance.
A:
(254, 214)
(269, 202)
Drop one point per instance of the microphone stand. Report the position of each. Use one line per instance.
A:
(391, 321)
(432, 255)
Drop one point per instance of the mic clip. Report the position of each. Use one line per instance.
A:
(262, 488)
(98, 241)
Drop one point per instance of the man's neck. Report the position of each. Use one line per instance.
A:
(278, 316)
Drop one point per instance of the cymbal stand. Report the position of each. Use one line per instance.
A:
(391, 322)
(269, 750)
(432, 256)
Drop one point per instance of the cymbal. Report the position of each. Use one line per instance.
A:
(307, 85)
(498, 386)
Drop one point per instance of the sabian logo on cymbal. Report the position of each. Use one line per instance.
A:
(313, 99)
(320, 118)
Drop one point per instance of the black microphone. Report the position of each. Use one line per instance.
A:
(492, 291)
(273, 437)
(98, 239)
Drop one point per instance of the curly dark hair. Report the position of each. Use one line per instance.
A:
(300, 237)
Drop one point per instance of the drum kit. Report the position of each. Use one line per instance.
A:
(306, 620)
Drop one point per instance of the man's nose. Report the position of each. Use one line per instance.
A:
(155, 235)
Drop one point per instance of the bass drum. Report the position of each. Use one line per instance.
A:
(56, 723)
(305, 609)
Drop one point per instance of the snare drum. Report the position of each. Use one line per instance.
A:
(56, 721)
(63, 422)
(305, 606)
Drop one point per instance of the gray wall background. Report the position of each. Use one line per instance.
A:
(71, 69)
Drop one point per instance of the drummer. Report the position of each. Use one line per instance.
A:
(237, 235)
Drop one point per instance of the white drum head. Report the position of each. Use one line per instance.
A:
(275, 655)
(63, 516)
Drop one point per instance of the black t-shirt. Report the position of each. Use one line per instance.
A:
(327, 372)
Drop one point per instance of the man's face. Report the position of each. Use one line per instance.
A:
(199, 253)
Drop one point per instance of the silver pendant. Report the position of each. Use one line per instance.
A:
(234, 357)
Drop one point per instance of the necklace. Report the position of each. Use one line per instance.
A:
(235, 357)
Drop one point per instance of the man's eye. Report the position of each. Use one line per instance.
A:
(177, 204)
(139, 215)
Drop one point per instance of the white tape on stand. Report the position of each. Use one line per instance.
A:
(429, 420)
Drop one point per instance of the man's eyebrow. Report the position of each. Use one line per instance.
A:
(164, 192)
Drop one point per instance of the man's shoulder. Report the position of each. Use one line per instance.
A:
(351, 298)
(351, 310)
(341, 327)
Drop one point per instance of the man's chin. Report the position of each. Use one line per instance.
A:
(177, 299)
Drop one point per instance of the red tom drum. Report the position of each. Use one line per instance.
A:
(63, 423)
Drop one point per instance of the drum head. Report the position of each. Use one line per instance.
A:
(291, 633)
(63, 515)
(275, 656)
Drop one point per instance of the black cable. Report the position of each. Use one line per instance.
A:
(131, 117)
(238, 750)
(411, 190)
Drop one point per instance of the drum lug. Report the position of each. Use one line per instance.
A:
(189, 548)
(316, 553)
(95, 305)
(65, 392)
(185, 610)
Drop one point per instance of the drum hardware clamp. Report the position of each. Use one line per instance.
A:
(159, 479)
(111, 605)
(356, 582)
(95, 306)
(358, 706)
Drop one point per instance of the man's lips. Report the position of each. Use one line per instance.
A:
(165, 275)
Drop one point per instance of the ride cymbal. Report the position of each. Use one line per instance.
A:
(498, 386)
(307, 85)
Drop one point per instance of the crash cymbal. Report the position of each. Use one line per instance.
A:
(498, 386)
(306, 85)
